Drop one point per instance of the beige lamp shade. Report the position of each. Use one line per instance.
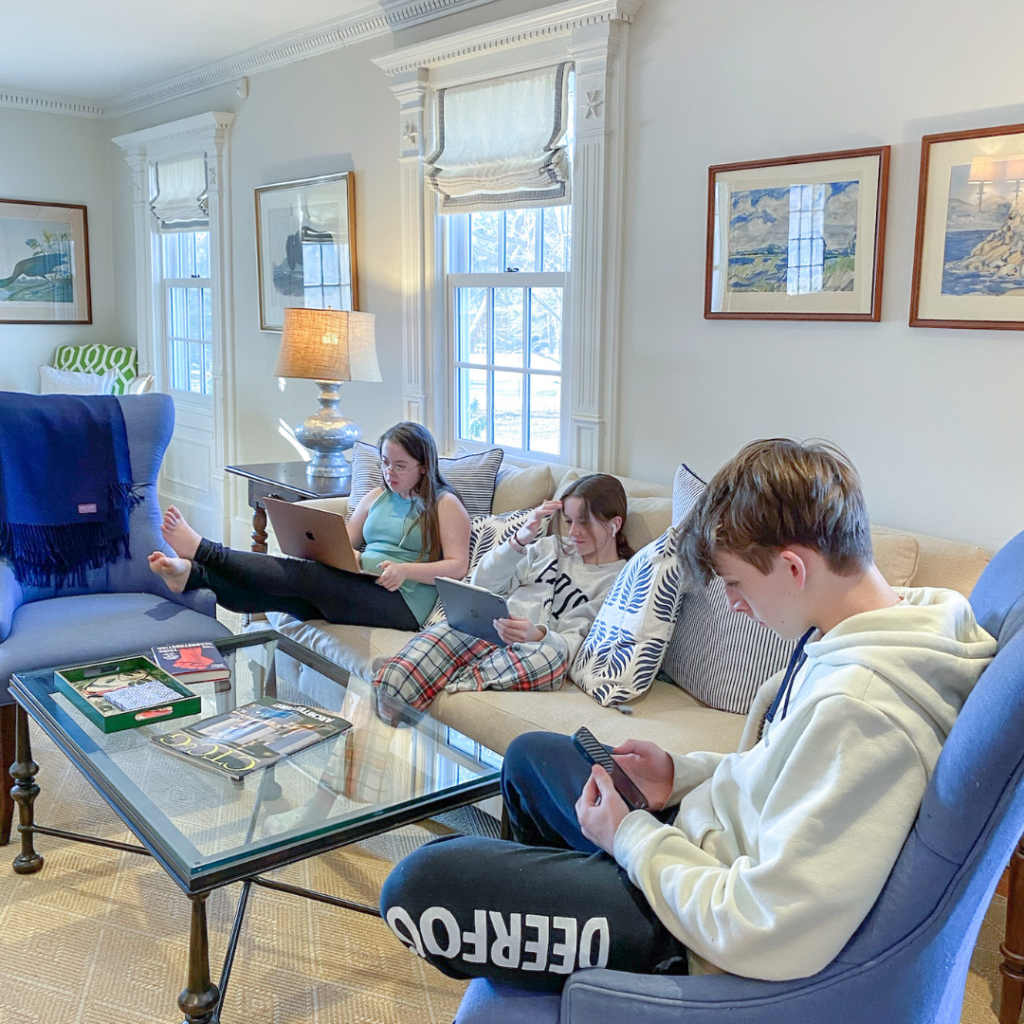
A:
(984, 169)
(328, 344)
(1015, 167)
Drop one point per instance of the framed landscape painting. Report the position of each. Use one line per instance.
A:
(969, 249)
(797, 238)
(44, 263)
(306, 246)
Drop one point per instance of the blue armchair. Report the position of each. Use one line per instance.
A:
(907, 963)
(124, 608)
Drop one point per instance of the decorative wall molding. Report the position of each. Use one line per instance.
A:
(594, 35)
(41, 103)
(216, 421)
(521, 30)
(379, 19)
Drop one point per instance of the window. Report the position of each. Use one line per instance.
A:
(508, 275)
(507, 280)
(185, 291)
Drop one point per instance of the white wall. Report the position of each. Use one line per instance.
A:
(933, 418)
(55, 158)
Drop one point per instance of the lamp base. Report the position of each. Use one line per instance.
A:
(328, 435)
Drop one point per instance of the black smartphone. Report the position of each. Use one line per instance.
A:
(586, 743)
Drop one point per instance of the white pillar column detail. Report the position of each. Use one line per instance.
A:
(596, 244)
(410, 89)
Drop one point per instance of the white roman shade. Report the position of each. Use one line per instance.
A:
(501, 143)
(180, 199)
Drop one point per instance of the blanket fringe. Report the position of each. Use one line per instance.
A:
(60, 556)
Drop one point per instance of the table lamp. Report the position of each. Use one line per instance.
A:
(329, 346)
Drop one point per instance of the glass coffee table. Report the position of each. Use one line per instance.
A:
(207, 830)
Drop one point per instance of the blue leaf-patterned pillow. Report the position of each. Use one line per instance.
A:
(622, 653)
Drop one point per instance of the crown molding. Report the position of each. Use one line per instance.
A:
(520, 30)
(76, 106)
(208, 124)
(378, 19)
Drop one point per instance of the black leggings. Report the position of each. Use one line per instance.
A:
(248, 582)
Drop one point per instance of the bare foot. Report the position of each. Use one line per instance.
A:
(182, 538)
(175, 571)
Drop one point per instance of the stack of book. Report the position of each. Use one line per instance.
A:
(191, 663)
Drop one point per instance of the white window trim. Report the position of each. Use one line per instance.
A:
(594, 34)
(206, 133)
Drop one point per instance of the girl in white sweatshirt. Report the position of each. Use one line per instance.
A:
(554, 589)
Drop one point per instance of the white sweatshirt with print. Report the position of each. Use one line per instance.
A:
(778, 853)
(551, 588)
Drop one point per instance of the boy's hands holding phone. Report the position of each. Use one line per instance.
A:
(600, 807)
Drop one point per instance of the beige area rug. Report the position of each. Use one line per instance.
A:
(100, 936)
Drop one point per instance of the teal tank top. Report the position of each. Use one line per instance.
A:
(392, 534)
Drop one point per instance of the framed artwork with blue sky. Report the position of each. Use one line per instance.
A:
(969, 249)
(797, 238)
(44, 263)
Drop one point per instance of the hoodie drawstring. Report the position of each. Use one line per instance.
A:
(796, 660)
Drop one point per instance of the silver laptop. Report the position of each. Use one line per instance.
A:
(471, 609)
(314, 533)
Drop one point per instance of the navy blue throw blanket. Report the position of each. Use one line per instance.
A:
(65, 486)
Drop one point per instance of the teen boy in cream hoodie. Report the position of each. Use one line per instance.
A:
(761, 862)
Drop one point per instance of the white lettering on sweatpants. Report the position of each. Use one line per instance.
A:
(447, 918)
(410, 936)
(505, 949)
(596, 926)
(561, 943)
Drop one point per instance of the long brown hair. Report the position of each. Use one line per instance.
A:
(419, 443)
(604, 498)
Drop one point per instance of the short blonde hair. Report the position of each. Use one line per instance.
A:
(774, 493)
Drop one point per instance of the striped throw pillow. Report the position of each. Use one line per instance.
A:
(472, 476)
(622, 653)
(717, 655)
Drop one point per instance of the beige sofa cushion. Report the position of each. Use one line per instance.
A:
(895, 554)
(665, 714)
(521, 487)
(646, 520)
(360, 650)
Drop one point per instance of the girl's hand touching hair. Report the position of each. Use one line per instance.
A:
(527, 533)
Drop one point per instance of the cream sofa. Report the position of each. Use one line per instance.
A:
(665, 714)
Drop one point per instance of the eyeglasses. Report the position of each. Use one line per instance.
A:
(398, 467)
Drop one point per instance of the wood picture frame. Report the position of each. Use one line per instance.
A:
(969, 245)
(817, 209)
(306, 246)
(44, 263)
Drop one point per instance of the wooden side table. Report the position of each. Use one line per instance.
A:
(285, 480)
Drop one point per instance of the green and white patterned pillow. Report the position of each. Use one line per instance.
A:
(122, 359)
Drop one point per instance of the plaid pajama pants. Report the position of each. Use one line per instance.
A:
(442, 658)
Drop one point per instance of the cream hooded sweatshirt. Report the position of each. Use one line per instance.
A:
(778, 852)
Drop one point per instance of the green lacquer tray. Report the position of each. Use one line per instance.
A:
(85, 685)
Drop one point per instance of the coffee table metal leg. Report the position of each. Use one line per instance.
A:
(25, 791)
(199, 1002)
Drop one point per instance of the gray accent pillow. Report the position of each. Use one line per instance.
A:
(718, 656)
(472, 476)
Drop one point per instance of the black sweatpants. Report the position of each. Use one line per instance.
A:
(532, 911)
(248, 582)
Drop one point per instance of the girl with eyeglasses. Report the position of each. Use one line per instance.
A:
(415, 529)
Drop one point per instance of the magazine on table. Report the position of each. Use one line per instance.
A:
(191, 663)
(253, 736)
